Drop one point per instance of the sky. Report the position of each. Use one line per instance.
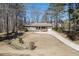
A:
(42, 7)
(39, 6)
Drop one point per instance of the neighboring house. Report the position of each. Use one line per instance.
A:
(39, 26)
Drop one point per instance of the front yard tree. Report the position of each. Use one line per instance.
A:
(56, 8)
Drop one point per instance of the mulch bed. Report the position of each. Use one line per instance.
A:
(73, 36)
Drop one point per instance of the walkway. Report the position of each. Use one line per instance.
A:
(64, 40)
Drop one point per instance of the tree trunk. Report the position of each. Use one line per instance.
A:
(7, 26)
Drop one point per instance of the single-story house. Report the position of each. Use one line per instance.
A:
(39, 26)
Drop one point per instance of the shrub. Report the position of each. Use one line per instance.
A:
(21, 41)
(26, 30)
(31, 45)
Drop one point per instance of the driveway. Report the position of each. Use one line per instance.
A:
(46, 45)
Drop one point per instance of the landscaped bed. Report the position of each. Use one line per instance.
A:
(73, 36)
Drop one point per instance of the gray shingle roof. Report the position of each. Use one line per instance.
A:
(40, 24)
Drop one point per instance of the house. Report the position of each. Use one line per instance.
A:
(39, 27)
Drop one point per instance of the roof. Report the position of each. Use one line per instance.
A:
(40, 24)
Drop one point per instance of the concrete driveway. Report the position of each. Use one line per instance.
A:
(46, 45)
